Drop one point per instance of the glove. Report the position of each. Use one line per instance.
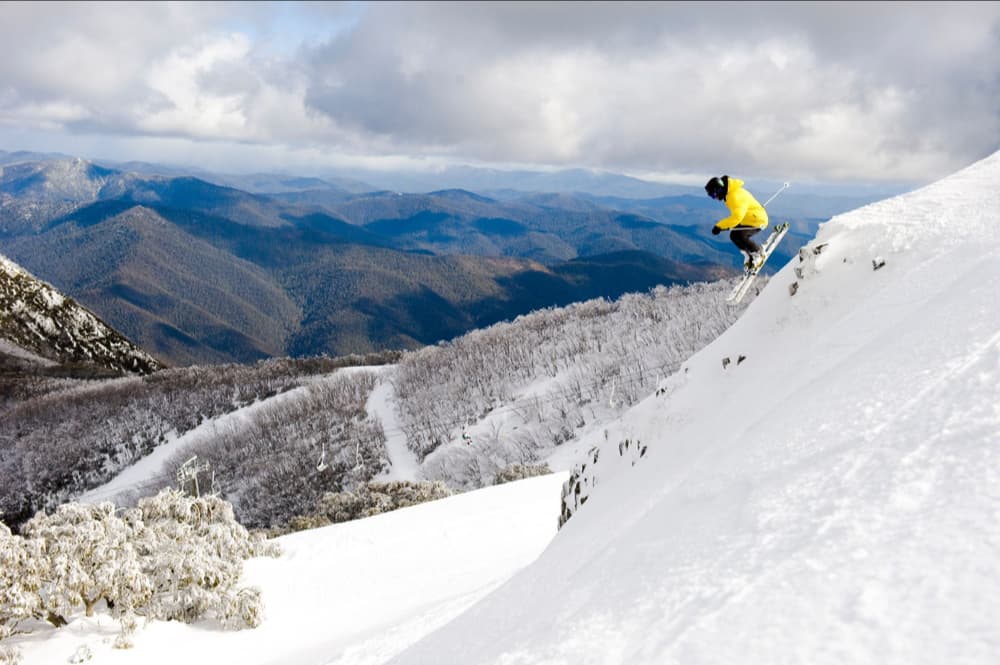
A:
(716, 230)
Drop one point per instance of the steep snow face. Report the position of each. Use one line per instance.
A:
(833, 498)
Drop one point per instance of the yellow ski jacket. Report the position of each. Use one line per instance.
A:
(743, 208)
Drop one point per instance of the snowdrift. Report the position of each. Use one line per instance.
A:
(828, 494)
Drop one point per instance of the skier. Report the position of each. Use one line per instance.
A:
(747, 217)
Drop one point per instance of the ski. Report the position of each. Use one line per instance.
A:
(772, 241)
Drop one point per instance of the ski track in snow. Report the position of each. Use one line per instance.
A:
(404, 464)
(150, 469)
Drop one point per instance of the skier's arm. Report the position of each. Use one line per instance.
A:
(738, 211)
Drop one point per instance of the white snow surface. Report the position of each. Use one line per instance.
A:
(403, 461)
(833, 498)
(348, 594)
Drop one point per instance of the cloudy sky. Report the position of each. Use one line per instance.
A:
(872, 92)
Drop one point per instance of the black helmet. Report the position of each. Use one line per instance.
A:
(717, 187)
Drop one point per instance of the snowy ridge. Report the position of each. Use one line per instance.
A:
(830, 499)
(43, 322)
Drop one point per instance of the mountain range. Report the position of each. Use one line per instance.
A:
(197, 272)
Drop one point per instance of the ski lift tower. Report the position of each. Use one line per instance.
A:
(187, 475)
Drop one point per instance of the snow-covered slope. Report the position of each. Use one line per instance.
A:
(352, 594)
(834, 498)
(37, 320)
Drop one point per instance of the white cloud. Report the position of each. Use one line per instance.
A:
(817, 90)
(192, 110)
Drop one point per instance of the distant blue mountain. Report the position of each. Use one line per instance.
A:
(198, 272)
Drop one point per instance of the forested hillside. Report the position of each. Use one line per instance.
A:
(515, 392)
(296, 430)
(78, 434)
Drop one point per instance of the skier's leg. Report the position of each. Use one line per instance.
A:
(741, 237)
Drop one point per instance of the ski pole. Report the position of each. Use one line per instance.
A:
(775, 195)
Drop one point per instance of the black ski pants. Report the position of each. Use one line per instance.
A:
(742, 238)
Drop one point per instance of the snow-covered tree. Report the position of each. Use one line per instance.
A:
(192, 550)
(21, 569)
(89, 557)
(516, 472)
(278, 461)
(9, 655)
(520, 389)
(374, 498)
(172, 557)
